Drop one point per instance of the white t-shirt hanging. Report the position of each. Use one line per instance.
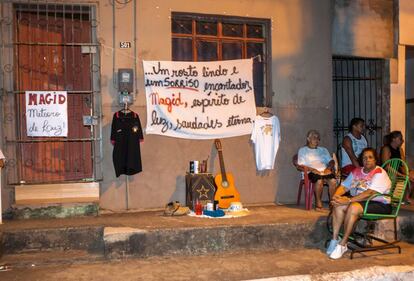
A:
(266, 139)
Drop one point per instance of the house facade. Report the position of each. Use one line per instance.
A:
(317, 64)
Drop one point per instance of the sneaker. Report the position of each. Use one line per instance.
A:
(338, 252)
(331, 246)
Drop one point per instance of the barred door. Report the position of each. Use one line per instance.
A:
(54, 49)
(360, 90)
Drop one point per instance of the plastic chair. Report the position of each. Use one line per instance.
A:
(304, 183)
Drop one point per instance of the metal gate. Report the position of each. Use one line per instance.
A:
(360, 89)
(50, 47)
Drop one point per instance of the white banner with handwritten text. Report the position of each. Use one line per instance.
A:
(47, 114)
(199, 100)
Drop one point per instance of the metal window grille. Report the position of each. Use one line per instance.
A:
(359, 88)
(197, 37)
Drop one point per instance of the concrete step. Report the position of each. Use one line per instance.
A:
(117, 242)
(69, 238)
(196, 241)
(53, 210)
(150, 234)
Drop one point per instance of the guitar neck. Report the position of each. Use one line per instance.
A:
(222, 168)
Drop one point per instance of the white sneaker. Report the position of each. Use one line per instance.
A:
(331, 246)
(338, 252)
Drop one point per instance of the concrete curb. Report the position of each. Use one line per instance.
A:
(368, 274)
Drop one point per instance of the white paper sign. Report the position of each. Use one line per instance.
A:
(47, 114)
(200, 100)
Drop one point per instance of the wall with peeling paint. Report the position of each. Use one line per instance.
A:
(301, 44)
(363, 28)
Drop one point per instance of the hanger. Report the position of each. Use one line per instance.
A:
(266, 112)
(126, 109)
(258, 57)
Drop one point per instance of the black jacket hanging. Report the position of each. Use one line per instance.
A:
(126, 135)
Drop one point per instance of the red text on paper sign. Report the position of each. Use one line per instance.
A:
(169, 102)
(46, 98)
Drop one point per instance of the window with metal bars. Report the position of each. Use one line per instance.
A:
(197, 37)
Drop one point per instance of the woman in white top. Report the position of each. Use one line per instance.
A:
(352, 145)
(320, 165)
(351, 196)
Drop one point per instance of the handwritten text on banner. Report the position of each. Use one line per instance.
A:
(199, 100)
(47, 114)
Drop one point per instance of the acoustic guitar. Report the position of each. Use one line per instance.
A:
(226, 191)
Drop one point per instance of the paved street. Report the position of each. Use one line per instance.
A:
(226, 266)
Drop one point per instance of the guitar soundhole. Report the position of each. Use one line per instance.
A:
(225, 184)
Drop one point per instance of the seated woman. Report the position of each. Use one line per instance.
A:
(393, 149)
(320, 165)
(352, 145)
(362, 183)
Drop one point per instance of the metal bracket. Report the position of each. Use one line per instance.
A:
(88, 50)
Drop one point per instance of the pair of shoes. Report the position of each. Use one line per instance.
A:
(171, 208)
(5, 267)
(331, 246)
(174, 209)
(338, 251)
